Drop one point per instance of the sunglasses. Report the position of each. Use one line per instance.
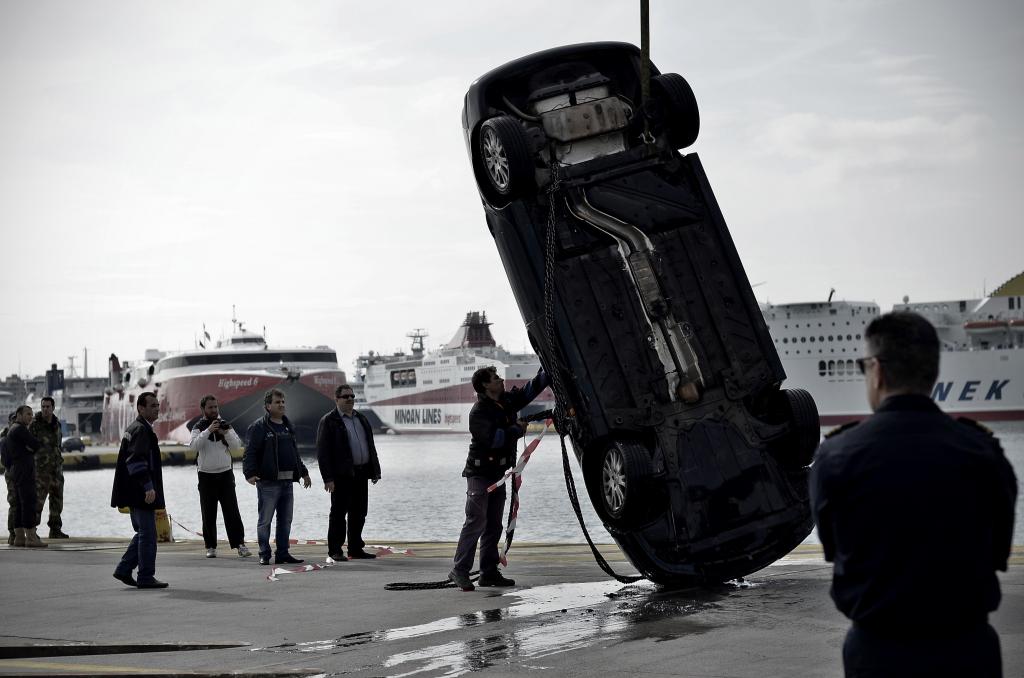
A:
(347, 397)
(862, 362)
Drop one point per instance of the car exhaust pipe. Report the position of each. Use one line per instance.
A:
(670, 339)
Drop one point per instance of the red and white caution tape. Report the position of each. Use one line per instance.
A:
(524, 458)
(278, 572)
(517, 482)
(389, 550)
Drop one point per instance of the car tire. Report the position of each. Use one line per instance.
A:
(796, 449)
(504, 158)
(624, 475)
(680, 116)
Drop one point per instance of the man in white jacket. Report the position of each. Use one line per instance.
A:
(213, 439)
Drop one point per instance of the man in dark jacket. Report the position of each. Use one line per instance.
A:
(271, 463)
(21, 449)
(12, 494)
(347, 459)
(139, 485)
(495, 429)
(887, 492)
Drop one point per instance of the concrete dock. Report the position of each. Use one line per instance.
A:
(65, 615)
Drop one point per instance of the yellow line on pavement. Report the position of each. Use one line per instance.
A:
(78, 668)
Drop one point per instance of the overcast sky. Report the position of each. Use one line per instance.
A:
(304, 161)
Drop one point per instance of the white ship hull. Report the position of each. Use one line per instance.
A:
(984, 385)
(442, 410)
(981, 373)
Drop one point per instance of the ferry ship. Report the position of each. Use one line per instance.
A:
(981, 371)
(431, 391)
(238, 371)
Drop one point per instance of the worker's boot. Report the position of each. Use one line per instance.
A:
(494, 578)
(10, 538)
(32, 539)
(55, 533)
(19, 536)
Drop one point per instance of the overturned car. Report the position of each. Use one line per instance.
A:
(634, 297)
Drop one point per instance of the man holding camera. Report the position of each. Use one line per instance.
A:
(213, 439)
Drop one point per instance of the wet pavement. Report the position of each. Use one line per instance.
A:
(65, 615)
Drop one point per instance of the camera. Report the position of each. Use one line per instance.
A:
(224, 424)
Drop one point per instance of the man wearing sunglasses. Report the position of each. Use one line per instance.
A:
(916, 511)
(347, 459)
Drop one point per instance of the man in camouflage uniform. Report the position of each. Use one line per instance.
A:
(49, 466)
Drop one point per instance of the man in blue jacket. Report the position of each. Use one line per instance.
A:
(271, 463)
(139, 485)
(495, 429)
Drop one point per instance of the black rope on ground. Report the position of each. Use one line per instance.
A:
(570, 486)
(427, 585)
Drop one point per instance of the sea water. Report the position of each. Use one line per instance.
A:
(421, 495)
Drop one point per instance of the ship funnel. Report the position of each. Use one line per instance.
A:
(114, 371)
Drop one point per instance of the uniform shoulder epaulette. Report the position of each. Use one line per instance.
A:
(839, 429)
(967, 421)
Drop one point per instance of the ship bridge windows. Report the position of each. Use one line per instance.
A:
(248, 357)
(403, 378)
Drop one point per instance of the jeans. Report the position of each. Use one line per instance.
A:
(141, 551)
(220, 487)
(274, 496)
(483, 524)
(351, 497)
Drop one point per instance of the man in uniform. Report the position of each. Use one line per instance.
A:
(139, 485)
(21, 447)
(348, 459)
(916, 511)
(495, 430)
(12, 495)
(49, 466)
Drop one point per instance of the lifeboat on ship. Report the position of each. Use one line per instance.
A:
(990, 331)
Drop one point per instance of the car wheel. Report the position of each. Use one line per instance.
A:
(504, 156)
(796, 449)
(679, 112)
(625, 473)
